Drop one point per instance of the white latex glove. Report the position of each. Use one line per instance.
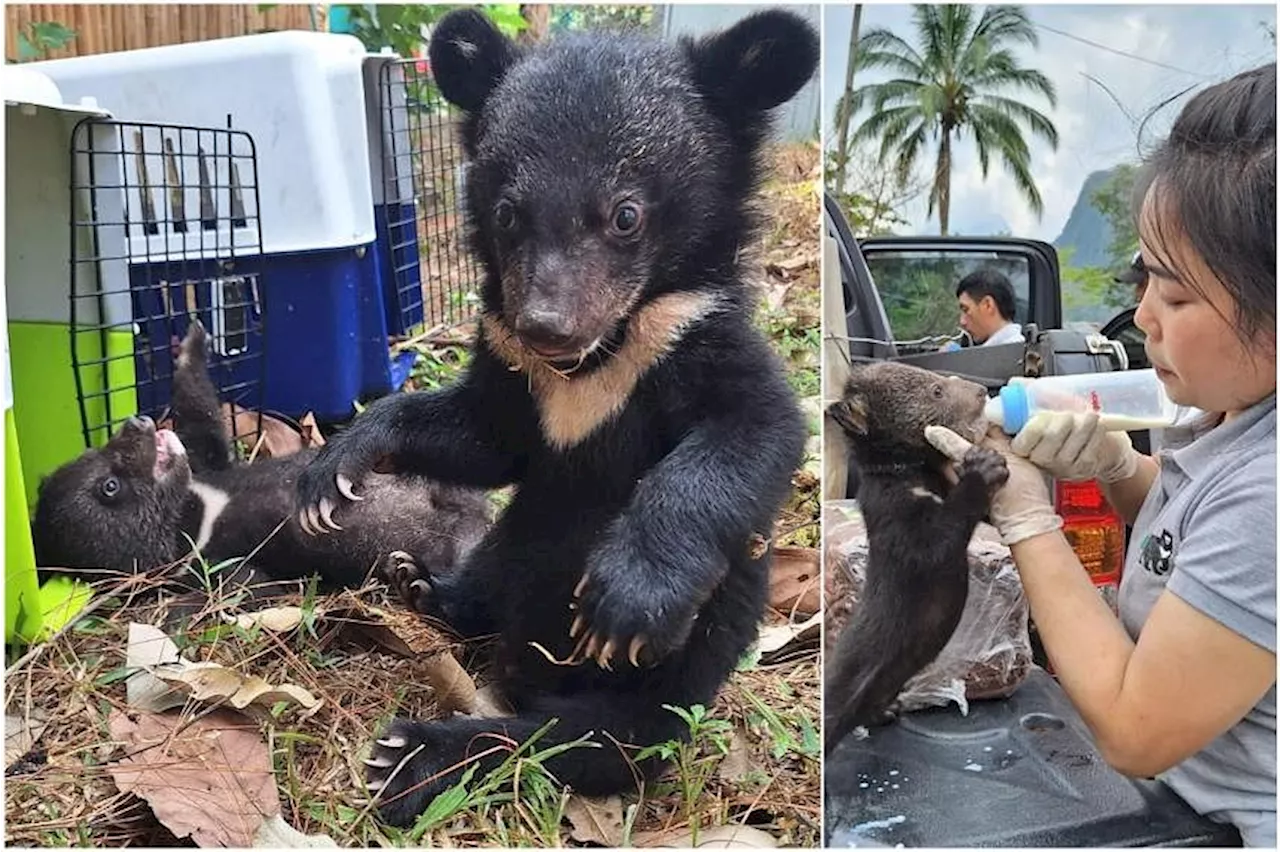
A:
(1075, 447)
(1021, 508)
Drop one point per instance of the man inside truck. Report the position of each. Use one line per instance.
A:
(1182, 685)
(987, 308)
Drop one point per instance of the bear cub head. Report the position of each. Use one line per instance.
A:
(132, 490)
(607, 169)
(886, 406)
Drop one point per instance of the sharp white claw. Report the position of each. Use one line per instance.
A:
(401, 556)
(313, 520)
(393, 742)
(379, 762)
(345, 488)
(326, 515)
(374, 786)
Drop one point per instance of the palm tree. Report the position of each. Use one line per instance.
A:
(957, 82)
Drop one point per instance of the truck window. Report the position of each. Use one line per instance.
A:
(918, 287)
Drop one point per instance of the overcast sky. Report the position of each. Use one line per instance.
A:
(1203, 43)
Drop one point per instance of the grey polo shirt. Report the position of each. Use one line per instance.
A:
(1207, 533)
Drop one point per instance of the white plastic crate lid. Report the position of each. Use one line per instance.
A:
(299, 94)
(36, 261)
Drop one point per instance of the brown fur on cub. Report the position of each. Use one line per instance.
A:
(918, 531)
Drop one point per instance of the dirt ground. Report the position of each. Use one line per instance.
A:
(754, 765)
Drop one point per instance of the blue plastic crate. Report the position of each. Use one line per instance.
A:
(396, 224)
(323, 338)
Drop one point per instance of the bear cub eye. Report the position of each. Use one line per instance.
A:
(626, 219)
(504, 215)
(110, 487)
(937, 391)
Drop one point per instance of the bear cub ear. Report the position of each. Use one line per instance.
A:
(756, 64)
(851, 415)
(469, 57)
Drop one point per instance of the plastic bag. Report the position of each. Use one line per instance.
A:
(988, 656)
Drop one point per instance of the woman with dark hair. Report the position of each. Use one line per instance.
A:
(1183, 684)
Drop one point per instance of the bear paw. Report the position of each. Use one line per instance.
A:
(401, 572)
(987, 465)
(403, 771)
(621, 622)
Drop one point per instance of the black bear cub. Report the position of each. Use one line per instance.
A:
(134, 503)
(617, 378)
(918, 530)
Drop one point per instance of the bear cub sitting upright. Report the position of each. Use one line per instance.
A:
(616, 377)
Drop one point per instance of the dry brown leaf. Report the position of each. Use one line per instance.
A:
(147, 647)
(792, 266)
(397, 631)
(775, 295)
(275, 833)
(454, 689)
(279, 619)
(595, 820)
(279, 438)
(777, 638)
(211, 680)
(795, 581)
(716, 837)
(210, 780)
(21, 733)
(736, 764)
(311, 435)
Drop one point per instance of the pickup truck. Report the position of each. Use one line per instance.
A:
(1019, 771)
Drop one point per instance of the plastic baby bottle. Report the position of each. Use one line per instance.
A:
(1124, 400)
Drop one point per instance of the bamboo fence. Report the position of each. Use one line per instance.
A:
(102, 28)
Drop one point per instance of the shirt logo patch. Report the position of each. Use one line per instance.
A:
(1157, 553)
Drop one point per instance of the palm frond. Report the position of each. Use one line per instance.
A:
(1006, 24)
(932, 32)
(885, 125)
(958, 20)
(983, 142)
(1039, 124)
(1003, 134)
(880, 48)
(908, 152)
(895, 92)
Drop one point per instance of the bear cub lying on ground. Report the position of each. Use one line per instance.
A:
(617, 378)
(133, 503)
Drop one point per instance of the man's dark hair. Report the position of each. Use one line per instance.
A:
(1216, 177)
(989, 282)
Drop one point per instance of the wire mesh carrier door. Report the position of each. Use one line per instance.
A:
(165, 229)
(437, 280)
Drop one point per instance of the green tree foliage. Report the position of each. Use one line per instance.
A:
(601, 17)
(959, 79)
(1090, 294)
(37, 40)
(400, 26)
(1114, 200)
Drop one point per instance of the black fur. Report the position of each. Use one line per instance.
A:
(155, 480)
(649, 512)
(918, 531)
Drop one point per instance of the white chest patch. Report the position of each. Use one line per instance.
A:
(570, 406)
(925, 493)
(214, 502)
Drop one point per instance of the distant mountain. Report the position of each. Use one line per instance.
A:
(1086, 229)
